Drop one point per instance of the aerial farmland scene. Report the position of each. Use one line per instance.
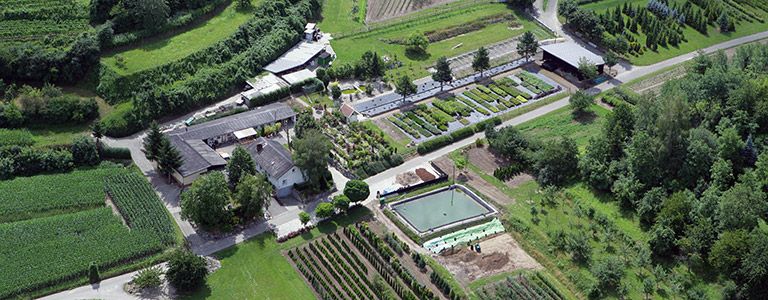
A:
(384, 149)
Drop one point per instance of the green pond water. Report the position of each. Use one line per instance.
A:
(436, 210)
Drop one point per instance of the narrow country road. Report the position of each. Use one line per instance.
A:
(112, 288)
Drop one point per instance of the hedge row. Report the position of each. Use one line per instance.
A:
(444, 140)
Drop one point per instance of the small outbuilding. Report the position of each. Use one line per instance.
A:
(567, 56)
(303, 55)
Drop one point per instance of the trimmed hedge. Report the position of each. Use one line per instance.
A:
(444, 140)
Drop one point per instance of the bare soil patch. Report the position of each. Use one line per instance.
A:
(425, 175)
(499, 254)
(380, 10)
(518, 180)
(484, 159)
(407, 178)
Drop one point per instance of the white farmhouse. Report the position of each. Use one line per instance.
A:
(275, 162)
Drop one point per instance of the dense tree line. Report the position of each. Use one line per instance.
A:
(687, 162)
(38, 62)
(209, 74)
(46, 105)
(30, 161)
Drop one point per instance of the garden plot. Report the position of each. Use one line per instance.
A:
(448, 114)
(523, 286)
(359, 150)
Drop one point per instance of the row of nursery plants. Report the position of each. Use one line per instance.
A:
(374, 256)
(381, 247)
(311, 271)
(523, 286)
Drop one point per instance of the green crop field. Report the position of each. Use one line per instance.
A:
(694, 40)
(31, 197)
(350, 47)
(160, 52)
(52, 227)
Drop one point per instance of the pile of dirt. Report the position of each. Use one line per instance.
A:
(407, 178)
(425, 175)
(500, 254)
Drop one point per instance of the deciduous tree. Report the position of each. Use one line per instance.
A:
(356, 190)
(311, 153)
(205, 202)
(527, 46)
(253, 195)
(186, 271)
(405, 87)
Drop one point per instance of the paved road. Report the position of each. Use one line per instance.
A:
(112, 288)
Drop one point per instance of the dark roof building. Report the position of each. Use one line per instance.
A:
(568, 55)
(196, 143)
(271, 157)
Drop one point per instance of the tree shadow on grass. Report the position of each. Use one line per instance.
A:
(584, 117)
(417, 55)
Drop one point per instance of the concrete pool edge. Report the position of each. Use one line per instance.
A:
(492, 211)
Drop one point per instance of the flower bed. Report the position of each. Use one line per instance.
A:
(359, 149)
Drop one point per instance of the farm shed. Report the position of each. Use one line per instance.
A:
(301, 56)
(261, 85)
(197, 143)
(566, 56)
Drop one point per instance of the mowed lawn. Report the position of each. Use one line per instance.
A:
(256, 269)
(561, 122)
(338, 17)
(160, 52)
(695, 39)
(349, 49)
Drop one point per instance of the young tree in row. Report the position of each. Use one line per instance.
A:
(527, 46)
(325, 210)
(405, 87)
(186, 271)
(443, 72)
(253, 195)
(304, 217)
(356, 190)
(205, 202)
(341, 202)
(481, 61)
(240, 165)
(311, 153)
